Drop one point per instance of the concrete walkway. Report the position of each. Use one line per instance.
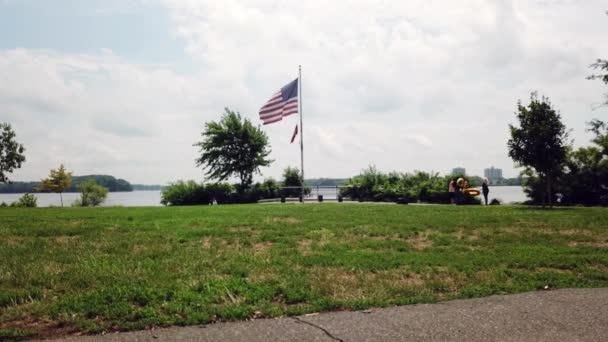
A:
(561, 315)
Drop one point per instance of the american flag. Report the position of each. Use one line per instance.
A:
(283, 103)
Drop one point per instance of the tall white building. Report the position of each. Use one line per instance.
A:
(493, 174)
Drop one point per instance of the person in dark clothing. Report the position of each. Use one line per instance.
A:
(452, 191)
(485, 189)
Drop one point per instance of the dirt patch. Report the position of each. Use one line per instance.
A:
(511, 230)
(383, 237)
(262, 246)
(446, 283)
(242, 229)
(469, 235)
(304, 246)
(229, 244)
(138, 249)
(600, 244)
(206, 243)
(14, 240)
(290, 220)
(75, 223)
(419, 242)
(43, 329)
(570, 232)
(599, 267)
(52, 267)
(66, 239)
(347, 285)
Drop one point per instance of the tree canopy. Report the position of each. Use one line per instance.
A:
(292, 178)
(233, 146)
(11, 152)
(602, 66)
(540, 141)
(91, 194)
(585, 177)
(59, 180)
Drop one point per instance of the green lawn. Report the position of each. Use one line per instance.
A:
(72, 270)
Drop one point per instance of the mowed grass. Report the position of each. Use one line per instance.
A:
(79, 270)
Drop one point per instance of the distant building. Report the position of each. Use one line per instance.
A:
(459, 171)
(493, 174)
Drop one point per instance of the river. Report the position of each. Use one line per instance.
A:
(127, 199)
(507, 194)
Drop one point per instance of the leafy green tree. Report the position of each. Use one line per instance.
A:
(540, 141)
(91, 194)
(58, 181)
(293, 178)
(587, 179)
(11, 152)
(233, 147)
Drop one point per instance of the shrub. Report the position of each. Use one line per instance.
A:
(3, 205)
(182, 193)
(26, 201)
(373, 185)
(192, 193)
(91, 194)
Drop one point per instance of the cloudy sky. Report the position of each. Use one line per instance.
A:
(124, 87)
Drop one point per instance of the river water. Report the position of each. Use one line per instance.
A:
(127, 199)
(507, 194)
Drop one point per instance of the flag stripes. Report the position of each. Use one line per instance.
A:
(282, 103)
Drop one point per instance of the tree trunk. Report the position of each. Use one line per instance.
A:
(544, 197)
(61, 197)
(549, 195)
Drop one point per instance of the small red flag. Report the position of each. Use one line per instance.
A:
(295, 133)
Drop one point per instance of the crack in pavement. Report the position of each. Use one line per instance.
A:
(299, 320)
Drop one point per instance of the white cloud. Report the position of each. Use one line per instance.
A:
(401, 84)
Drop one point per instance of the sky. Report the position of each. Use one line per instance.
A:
(124, 87)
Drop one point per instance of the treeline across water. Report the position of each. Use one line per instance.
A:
(111, 183)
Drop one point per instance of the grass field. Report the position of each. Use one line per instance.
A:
(65, 271)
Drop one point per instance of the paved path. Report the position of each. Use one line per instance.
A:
(561, 315)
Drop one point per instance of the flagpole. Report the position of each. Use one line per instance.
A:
(301, 128)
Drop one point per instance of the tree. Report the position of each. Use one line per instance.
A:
(11, 152)
(602, 66)
(540, 140)
(292, 178)
(233, 147)
(585, 177)
(58, 181)
(91, 194)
